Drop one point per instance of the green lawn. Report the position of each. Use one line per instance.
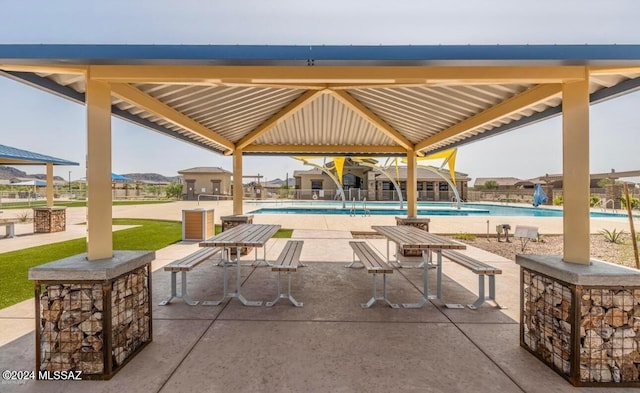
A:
(14, 265)
(148, 235)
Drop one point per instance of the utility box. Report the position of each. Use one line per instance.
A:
(420, 223)
(197, 224)
(229, 222)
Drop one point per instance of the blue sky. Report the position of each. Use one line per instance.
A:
(37, 121)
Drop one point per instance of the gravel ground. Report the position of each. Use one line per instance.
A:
(600, 248)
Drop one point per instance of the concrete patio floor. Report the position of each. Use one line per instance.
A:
(329, 345)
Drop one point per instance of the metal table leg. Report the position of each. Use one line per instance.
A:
(426, 265)
(238, 292)
(226, 261)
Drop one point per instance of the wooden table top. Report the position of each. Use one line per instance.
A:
(244, 235)
(413, 238)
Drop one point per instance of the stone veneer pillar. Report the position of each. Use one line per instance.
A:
(583, 321)
(548, 190)
(614, 192)
(92, 316)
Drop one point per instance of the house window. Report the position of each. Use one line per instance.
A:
(429, 186)
(444, 187)
(316, 184)
(350, 180)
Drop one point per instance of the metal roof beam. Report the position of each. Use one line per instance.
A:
(597, 97)
(282, 115)
(148, 103)
(525, 99)
(334, 74)
(329, 149)
(595, 71)
(318, 86)
(45, 69)
(372, 118)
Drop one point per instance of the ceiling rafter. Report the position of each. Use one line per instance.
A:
(514, 104)
(332, 149)
(372, 118)
(136, 97)
(337, 74)
(307, 86)
(282, 115)
(595, 71)
(45, 69)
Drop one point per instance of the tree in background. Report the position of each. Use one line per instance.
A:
(152, 189)
(635, 202)
(285, 191)
(174, 191)
(491, 185)
(602, 183)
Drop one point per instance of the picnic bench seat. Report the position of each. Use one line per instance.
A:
(375, 265)
(9, 227)
(185, 265)
(288, 261)
(481, 269)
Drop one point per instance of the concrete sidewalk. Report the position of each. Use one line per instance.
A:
(331, 344)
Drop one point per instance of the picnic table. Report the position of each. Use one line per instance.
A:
(245, 235)
(412, 238)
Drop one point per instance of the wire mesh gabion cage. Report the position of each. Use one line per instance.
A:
(93, 327)
(587, 334)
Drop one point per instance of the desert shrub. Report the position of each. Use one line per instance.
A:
(594, 200)
(557, 200)
(614, 236)
(634, 202)
(464, 236)
(24, 216)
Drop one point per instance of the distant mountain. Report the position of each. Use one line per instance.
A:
(152, 177)
(43, 176)
(7, 172)
(278, 182)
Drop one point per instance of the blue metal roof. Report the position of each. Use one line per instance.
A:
(9, 155)
(283, 54)
(603, 87)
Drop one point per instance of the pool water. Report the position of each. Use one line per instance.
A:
(424, 209)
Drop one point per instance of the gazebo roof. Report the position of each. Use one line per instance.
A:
(379, 100)
(13, 156)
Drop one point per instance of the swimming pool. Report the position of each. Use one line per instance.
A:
(424, 209)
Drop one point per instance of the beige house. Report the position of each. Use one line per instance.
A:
(361, 182)
(433, 184)
(205, 180)
(314, 182)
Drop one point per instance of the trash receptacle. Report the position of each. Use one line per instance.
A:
(197, 224)
(420, 223)
(229, 222)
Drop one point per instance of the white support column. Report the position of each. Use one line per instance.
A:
(99, 215)
(411, 184)
(237, 182)
(575, 168)
(49, 184)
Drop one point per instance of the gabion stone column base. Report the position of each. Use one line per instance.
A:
(583, 321)
(92, 317)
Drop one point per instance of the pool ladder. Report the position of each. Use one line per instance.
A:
(353, 211)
